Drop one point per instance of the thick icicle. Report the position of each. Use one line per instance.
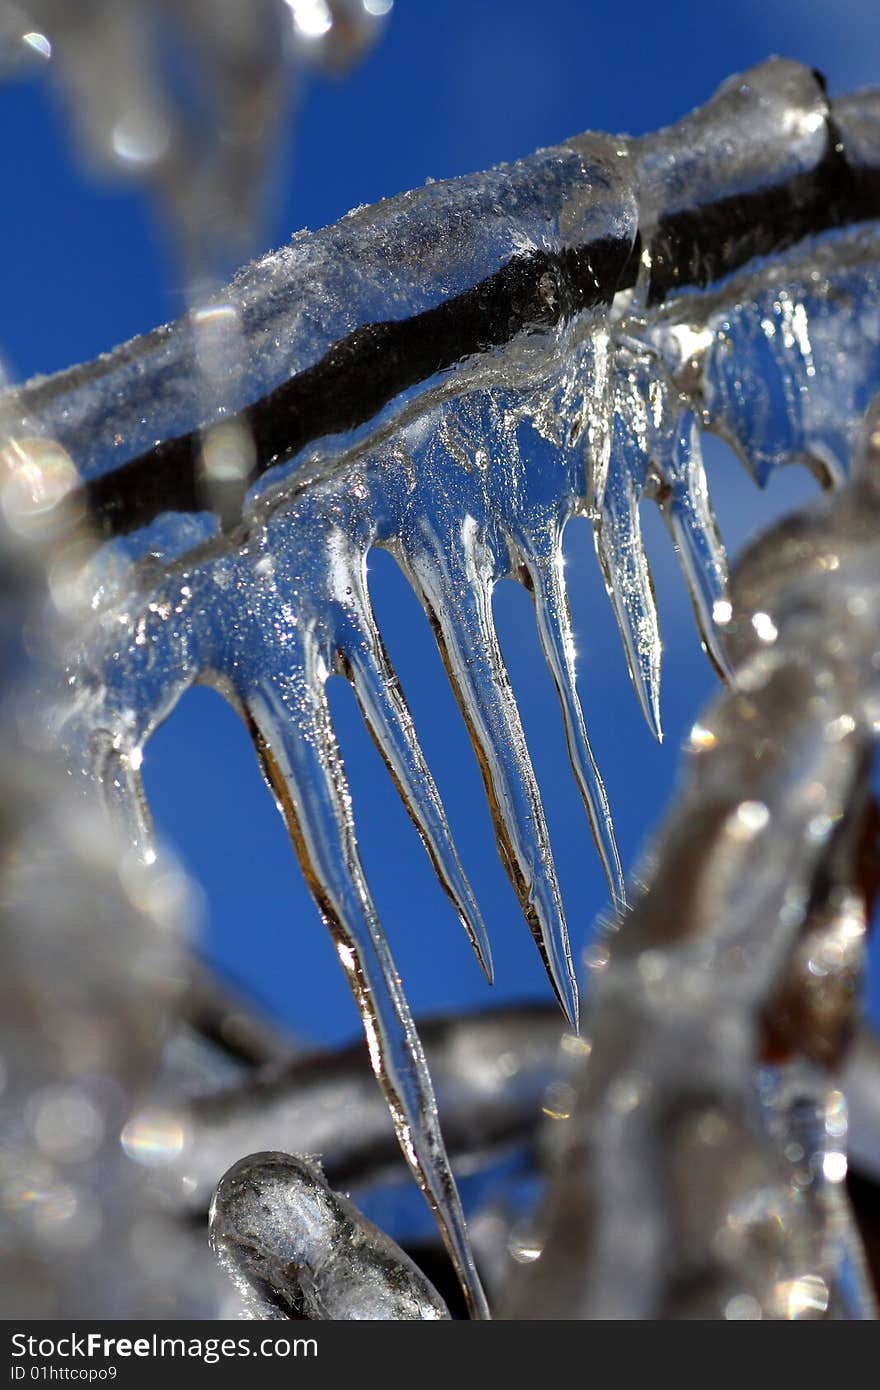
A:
(303, 1250)
(203, 145)
(295, 740)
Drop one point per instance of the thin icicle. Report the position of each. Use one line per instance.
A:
(687, 509)
(554, 628)
(297, 747)
(378, 692)
(301, 1250)
(456, 590)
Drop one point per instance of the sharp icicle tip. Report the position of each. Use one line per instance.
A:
(554, 628)
(387, 716)
(457, 598)
(687, 511)
(628, 581)
(291, 725)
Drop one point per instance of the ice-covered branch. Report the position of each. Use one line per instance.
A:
(453, 375)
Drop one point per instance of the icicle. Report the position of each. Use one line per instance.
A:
(683, 496)
(674, 1117)
(297, 747)
(456, 591)
(390, 368)
(624, 565)
(366, 664)
(554, 627)
(118, 773)
(489, 1072)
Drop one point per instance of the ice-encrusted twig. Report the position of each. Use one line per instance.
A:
(453, 375)
(297, 1247)
(689, 1183)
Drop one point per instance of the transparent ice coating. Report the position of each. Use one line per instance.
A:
(684, 1186)
(338, 291)
(453, 375)
(279, 1230)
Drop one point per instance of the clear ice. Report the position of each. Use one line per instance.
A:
(453, 375)
(722, 1005)
(295, 1245)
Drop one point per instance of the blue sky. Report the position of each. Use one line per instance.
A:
(451, 87)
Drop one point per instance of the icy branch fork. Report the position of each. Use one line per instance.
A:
(452, 375)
